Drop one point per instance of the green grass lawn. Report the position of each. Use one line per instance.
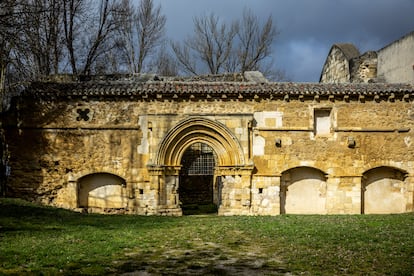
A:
(43, 240)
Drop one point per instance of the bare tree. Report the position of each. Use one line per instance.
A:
(255, 41)
(186, 60)
(41, 36)
(242, 45)
(89, 29)
(105, 28)
(150, 29)
(8, 26)
(164, 63)
(28, 41)
(11, 26)
(211, 44)
(141, 31)
(72, 14)
(126, 35)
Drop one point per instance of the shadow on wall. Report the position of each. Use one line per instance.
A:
(26, 148)
(31, 160)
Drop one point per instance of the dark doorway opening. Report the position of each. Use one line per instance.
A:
(197, 190)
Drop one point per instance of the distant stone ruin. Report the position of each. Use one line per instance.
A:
(391, 64)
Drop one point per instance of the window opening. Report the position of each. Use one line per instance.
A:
(322, 121)
(198, 159)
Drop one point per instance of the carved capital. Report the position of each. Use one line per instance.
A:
(155, 170)
(234, 170)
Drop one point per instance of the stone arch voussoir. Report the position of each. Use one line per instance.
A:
(226, 146)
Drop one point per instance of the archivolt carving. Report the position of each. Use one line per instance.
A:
(192, 130)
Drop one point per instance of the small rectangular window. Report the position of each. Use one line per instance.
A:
(322, 121)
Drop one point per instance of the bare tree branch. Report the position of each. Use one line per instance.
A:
(106, 26)
(150, 29)
(211, 44)
(255, 41)
(164, 64)
(72, 10)
(242, 45)
(182, 54)
(141, 31)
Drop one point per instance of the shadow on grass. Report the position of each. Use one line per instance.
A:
(43, 240)
(200, 261)
(19, 215)
(199, 209)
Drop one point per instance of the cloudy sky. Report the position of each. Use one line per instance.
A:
(308, 28)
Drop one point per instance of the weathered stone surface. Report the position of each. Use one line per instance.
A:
(396, 60)
(364, 67)
(337, 65)
(117, 146)
(392, 64)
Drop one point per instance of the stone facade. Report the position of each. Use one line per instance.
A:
(118, 145)
(391, 64)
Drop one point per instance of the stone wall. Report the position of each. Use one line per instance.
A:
(396, 61)
(364, 68)
(392, 64)
(125, 150)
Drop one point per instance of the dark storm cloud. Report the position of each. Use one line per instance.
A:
(308, 28)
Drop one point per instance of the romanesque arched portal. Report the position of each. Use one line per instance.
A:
(230, 172)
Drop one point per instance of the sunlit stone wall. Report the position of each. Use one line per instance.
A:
(272, 156)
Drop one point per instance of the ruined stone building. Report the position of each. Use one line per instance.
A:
(392, 64)
(137, 145)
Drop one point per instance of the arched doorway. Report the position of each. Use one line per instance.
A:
(101, 192)
(229, 166)
(197, 192)
(383, 191)
(303, 191)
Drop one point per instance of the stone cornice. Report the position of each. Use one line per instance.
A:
(200, 90)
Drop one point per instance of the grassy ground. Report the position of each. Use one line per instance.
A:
(42, 240)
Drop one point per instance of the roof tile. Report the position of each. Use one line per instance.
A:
(116, 88)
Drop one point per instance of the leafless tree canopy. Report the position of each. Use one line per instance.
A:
(82, 37)
(42, 37)
(141, 30)
(164, 63)
(216, 47)
(255, 41)
(211, 44)
(13, 49)
(89, 28)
